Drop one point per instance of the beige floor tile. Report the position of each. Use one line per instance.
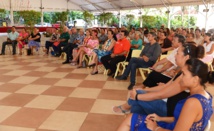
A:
(101, 122)
(37, 64)
(64, 121)
(17, 72)
(68, 82)
(13, 128)
(4, 94)
(46, 102)
(12, 67)
(116, 85)
(56, 75)
(98, 77)
(46, 69)
(33, 89)
(81, 70)
(105, 106)
(6, 111)
(28, 117)
(24, 80)
(85, 93)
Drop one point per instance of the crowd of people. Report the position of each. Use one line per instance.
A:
(165, 100)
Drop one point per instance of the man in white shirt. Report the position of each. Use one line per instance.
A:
(11, 39)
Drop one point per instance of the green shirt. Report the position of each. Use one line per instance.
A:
(66, 36)
(137, 42)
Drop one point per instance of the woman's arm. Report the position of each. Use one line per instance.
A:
(112, 45)
(211, 50)
(189, 114)
(169, 90)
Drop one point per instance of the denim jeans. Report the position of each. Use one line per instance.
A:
(135, 63)
(148, 107)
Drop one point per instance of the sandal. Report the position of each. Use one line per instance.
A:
(122, 111)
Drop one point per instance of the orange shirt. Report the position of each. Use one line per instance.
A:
(121, 46)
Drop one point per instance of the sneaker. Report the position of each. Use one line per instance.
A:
(130, 87)
(121, 77)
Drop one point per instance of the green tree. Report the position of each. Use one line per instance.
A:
(60, 16)
(149, 21)
(105, 18)
(30, 17)
(88, 17)
(76, 15)
(129, 19)
(47, 17)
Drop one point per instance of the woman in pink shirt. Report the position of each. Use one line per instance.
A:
(87, 48)
(23, 35)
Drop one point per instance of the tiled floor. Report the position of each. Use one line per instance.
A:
(40, 94)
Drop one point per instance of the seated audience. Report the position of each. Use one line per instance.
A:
(62, 41)
(11, 39)
(54, 38)
(166, 44)
(22, 40)
(120, 51)
(106, 50)
(93, 43)
(150, 98)
(167, 71)
(209, 48)
(198, 38)
(136, 44)
(34, 40)
(147, 58)
(76, 40)
(103, 37)
(192, 113)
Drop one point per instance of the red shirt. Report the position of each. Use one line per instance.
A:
(121, 46)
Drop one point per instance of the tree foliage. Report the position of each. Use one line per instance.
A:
(105, 18)
(30, 17)
(76, 15)
(60, 16)
(88, 17)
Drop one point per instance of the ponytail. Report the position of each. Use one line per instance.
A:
(194, 51)
(200, 52)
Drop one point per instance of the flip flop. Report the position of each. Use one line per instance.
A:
(122, 110)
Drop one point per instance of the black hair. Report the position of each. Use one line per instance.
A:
(181, 38)
(210, 35)
(197, 30)
(200, 69)
(126, 33)
(164, 32)
(193, 51)
(112, 32)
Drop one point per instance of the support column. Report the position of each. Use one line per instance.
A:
(141, 18)
(206, 17)
(168, 18)
(42, 17)
(11, 14)
(120, 22)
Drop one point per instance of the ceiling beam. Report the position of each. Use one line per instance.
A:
(96, 6)
(76, 4)
(113, 5)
